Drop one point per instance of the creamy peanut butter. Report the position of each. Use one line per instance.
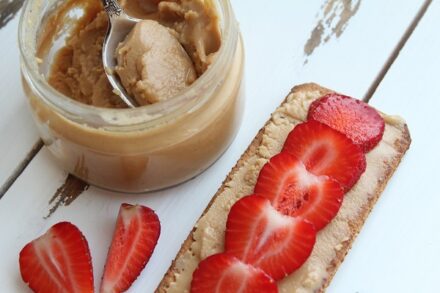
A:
(152, 157)
(132, 150)
(153, 63)
(194, 22)
(210, 229)
(77, 71)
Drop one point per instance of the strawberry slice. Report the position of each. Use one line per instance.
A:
(259, 235)
(356, 119)
(135, 237)
(58, 261)
(223, 273)
(296, 192)
(325, 151)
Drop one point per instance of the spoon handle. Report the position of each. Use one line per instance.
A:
(112, 8)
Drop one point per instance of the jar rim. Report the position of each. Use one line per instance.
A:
(144, 116)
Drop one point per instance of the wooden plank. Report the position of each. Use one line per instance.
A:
(275, 37)
(398, 249)
(284, 34)
(17, 132)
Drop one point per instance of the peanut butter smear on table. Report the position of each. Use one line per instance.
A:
(157, 60)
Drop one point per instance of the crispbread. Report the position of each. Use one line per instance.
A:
(335, 240)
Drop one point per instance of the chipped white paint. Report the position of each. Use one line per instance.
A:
(332, 20)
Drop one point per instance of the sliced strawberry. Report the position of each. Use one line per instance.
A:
(135, 237)
(259, 235)
(296, 192)
(58, 261)
(223, 273)
(325, 151)
(356, 119)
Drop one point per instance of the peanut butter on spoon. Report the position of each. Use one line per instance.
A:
(78, 72)
(152, 64)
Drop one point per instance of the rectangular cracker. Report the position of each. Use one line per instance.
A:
(334, 241)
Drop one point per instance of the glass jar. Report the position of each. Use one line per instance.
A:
(141, 149)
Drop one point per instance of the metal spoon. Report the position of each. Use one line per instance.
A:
(120, 24)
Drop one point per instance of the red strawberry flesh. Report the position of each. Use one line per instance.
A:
(259, 235)
(58, 261)
(223, 273)
(135, 237)
(356, 119)
(325, 151)
(296, 192)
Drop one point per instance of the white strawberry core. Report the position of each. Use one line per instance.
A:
(305, 178)
(128, 215)
(45, 246)
(275, 221)
(296, 181)
(237, 270)
(322, 145)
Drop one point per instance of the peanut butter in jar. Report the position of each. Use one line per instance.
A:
(176, 133)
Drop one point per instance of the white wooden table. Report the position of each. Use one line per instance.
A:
(383, 51)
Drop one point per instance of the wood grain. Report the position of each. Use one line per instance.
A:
(395, 53)
(274, 61)
(400, 252)
(278, 46)
(8, 10)
(17, 131)
(332, 21)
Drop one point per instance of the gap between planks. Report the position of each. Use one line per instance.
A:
(395, 53)
(371, 90)
(21, 167)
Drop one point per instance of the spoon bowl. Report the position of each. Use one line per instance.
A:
(120, 24)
